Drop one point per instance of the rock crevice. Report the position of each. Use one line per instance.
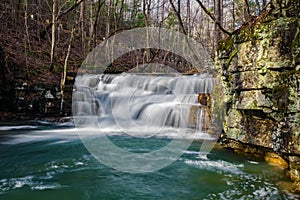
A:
(260, 68)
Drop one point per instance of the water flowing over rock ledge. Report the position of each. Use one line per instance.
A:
(260, 69)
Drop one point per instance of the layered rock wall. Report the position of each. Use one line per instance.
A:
(260, 67)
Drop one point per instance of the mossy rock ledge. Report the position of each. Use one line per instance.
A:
(260, 68)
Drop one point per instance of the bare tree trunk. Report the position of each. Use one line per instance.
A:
(54, 10)
(115, 7)
(108, 19)
(146, 12)
(157, 13)
(246, 11)
(258, 6)
(39, 17)
(218, 15)
(163, 11)
(208, 37)
(121, 13)
(177, 12)
(264, 3)
(188, 21)
(82, 25)
(207, 40)
(17, 12)
(213, 17)
(26, 23)
(91, 27)
(194, 18)
(64, 76)
(27, 40)
(77, 3)
(233, 16)
(96, 21)
(134, 11)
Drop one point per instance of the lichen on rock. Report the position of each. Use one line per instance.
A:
(261, 79)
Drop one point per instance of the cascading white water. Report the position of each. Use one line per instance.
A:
(141, 102)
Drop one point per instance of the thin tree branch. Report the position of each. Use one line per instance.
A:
(178, 16)
(213, 18)
(77, 3)
(96, 20)
(247, 9)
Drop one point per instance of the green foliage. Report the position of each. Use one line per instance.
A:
(225, 44)
(234, 53)
(47, 68)
(140, 20)
(56, 68)
(171, 21)
(296, 47)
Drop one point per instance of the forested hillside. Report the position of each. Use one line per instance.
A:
(41, 38)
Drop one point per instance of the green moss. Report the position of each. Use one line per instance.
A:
(296, 47)
(56, 68)
(245, 34)
(263, 70)
(225, 44)
(231, 57)
(47, 67)
(261, 32)
(287, 74)
(297, 119)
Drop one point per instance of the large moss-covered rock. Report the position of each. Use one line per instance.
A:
(260, 67)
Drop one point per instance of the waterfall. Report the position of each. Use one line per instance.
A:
(142, 102)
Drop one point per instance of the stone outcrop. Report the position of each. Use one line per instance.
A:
(20, 99)
(260, 67)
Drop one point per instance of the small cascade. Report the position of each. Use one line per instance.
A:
(130, 101)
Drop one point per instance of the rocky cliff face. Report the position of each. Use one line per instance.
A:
(260, 67)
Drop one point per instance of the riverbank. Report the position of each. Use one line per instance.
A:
(259, 67)
(10, 117)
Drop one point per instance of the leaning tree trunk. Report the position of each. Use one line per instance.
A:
(64, 76)
(82, 25)
(54, 10)
(218, 15)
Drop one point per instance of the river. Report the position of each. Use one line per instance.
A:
(51, 162)
(43, 160)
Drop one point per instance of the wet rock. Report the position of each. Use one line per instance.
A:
(276, 160)
(196, 111)
(261, 80)
(295, 167)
